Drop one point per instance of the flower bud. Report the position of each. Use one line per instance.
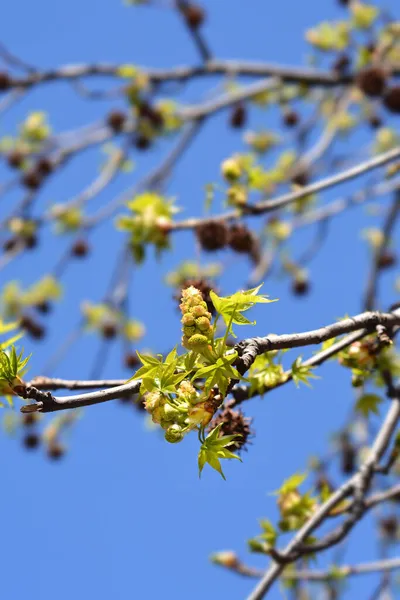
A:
(197, 341)
(174, 434)
(231, 169)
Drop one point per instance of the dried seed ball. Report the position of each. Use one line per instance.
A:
(80, 248)
(372, 81)
(142, 142)
(391, 99)
(387, 260)
(131, 360)
(31, 241)
(5, 81)
(10, 244)
(291, 118)
(146, 111)
(43, 307)
(55, 451)
(31, 441)
(44, 166)
(32, 179)
(341, 64)
(388, 527)
(212, 235)
(233, 422)
(300, 286)
(348, 455)
(34, 329)
(29, 419)
(109, 330)
(116, 120)
(15, 159)
(194, 15)
(238, 116)
(375, 121)
(241, 238)
(302, 178)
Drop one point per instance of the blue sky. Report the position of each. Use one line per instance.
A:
(124, 515)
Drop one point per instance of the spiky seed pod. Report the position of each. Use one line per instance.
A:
(391, 99)
(302, 178)
(44, 166)
(43, 307)
(5, 81)
(146, 111)
(31, 179)
(55, 450)
(142, 142)
(10, 244)
(233, 423)
(34, 329)
(238, 116)
(389, 527)
(241, 239)
(205, 287)
(300, 286)
(194, 15)
(15, 159)
(80, 248)
(109, 330)
(212, 235)
(387, 260)
(31, 441)
(131, 360)
(341, 64)
(372, 81)
(31, 241)
(116, 120)
(375, 121)
(291, 118)
(29, 419)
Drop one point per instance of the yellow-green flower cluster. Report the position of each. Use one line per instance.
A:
(197, 329)
(172, 413)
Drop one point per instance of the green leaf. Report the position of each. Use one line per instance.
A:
(302, 373)
(368, 403)
(232, 307)
(291, 484)
(214, 449)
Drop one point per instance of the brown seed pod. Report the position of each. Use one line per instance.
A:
(55, 450)
(391, 99)
(300, 286)
(43, 307)
(10, 244)
(29, 419)
(31, 241)
(375, 121)
(194, 15)
(80, 248)
(341, 64)
(389, 527)
(15, 159)
(44, 166)
(31, 441)
(32, 179)
(241, 239)
(372, 81)
(212, 235)
(131, 360)
(116, 120)
(386, 260)
(238, 116)
(109, 330)
(142, 142)
(348, 455)
(291, 118)
(301, 178)
(233, 423)
(5, 81)
(146, 111)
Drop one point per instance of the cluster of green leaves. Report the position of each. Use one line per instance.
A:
(184, 392)
(12, 365)
(33, 132)
(148, 223)
(295, 509)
